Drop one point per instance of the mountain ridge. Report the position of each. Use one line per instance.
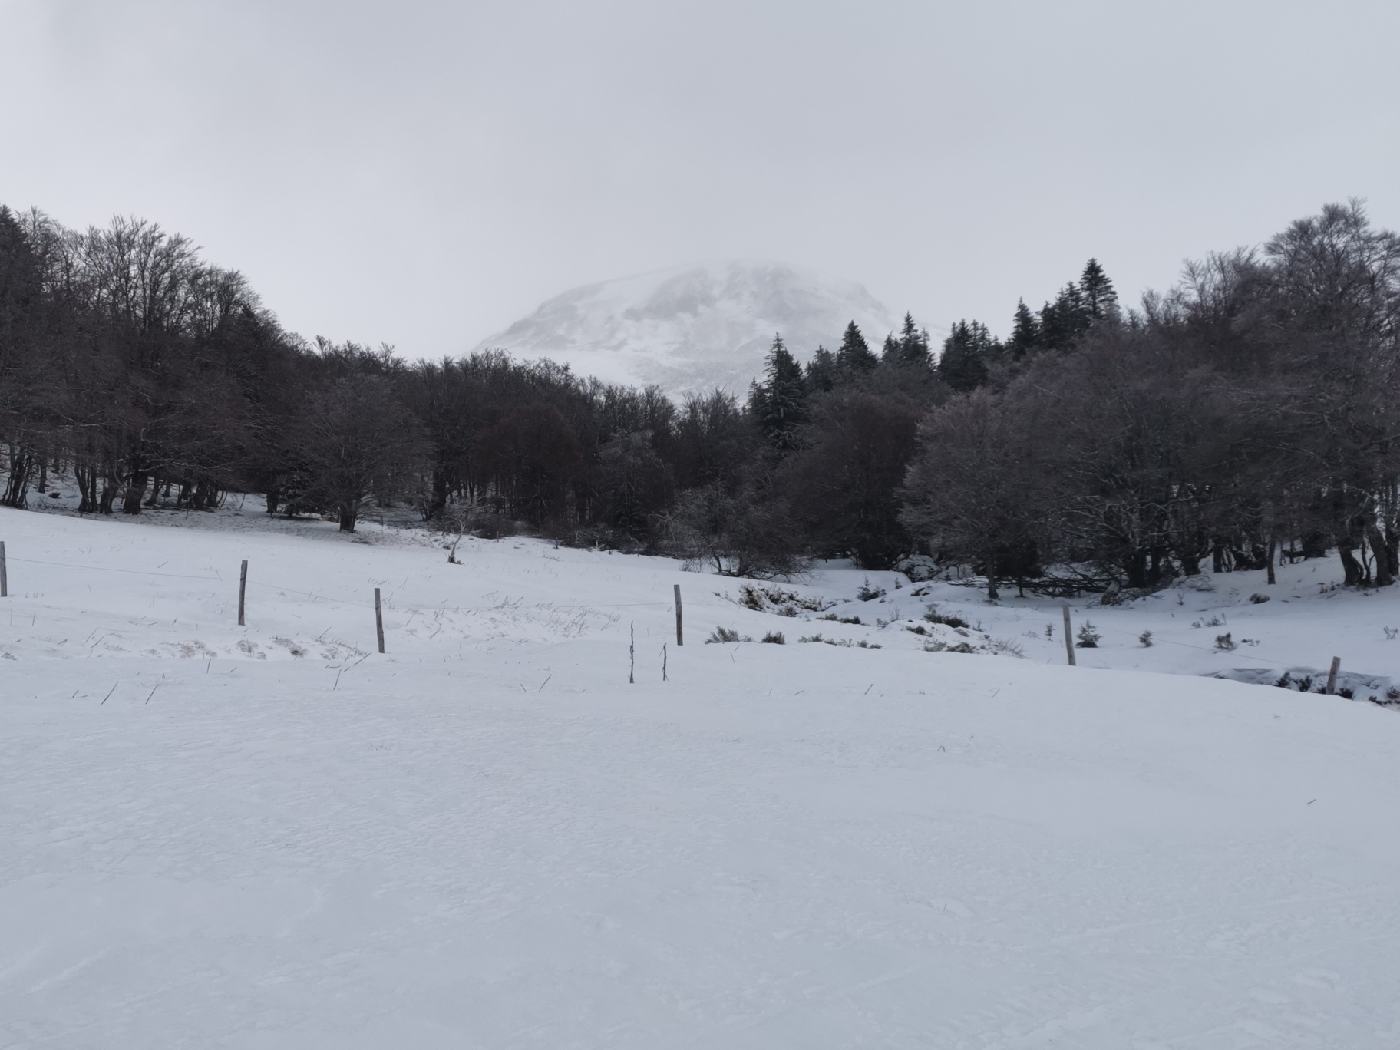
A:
(692, 328)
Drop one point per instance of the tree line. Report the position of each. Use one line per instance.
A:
(1248, 414)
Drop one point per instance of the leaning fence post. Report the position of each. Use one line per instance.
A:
(242, 590)
(679, 639)
(1069, 637)
(378, 620)
(1332, 676)
(4, 575)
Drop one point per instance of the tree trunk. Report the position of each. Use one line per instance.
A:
(109, 495)
(992, 593)
(1353, 572)
(1136, 566)
(273, 499)
(1272, 557)
(1384, 576)
(439, 497)
(348, 514)
(135, 492)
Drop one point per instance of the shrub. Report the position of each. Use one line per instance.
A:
(1145, 639)
(944, 647)
(1224, 643)
(1089, 637)
(723, 634)
(867, 593)
(1258, 599)
(934, 616)
(774, 638)
(1003, 647)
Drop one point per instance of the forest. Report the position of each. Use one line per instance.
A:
(1249, 414)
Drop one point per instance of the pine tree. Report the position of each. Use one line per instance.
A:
(780, 402)
(963, 364)
(821, 372)
(1065, 320)
(1025, 332)
(911, 348)
(1100, 298)
(854, 355)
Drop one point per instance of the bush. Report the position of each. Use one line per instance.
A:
(724, 634)
(774, 638)
(1224, 643)
(867, 593)
(1145, 639)
(944, 647)
(934, 616)
(1258, 599)
(1089, 637)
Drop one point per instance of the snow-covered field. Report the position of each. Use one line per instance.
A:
(273, 836)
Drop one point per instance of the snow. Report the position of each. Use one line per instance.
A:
(692, 329)
(487, 838)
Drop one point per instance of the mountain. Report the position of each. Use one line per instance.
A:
(690, 329)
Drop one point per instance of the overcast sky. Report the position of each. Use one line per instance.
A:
(424, 173)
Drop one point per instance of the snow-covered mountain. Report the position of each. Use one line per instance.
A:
(689, 329)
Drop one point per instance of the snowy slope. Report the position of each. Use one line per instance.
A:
(690, 329)
(275, 837)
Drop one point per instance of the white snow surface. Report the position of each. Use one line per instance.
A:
(274, 837)
(691, 329)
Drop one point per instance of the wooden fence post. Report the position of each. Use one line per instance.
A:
(1069, 637)
(242, 591)
(1332, 676)
(679, 639)
(378, 620)
(4, 574)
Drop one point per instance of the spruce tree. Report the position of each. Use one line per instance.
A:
(1100, 298)
(821, 372)
(963, 364)
(854, 354)
(911, 348)
(779, 403)
(1025, 332)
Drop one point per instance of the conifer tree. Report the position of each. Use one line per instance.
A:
(1100, 298)
(911, 348)
(854, 354)
(1025, 332)
(779, 403)
(963, 365)
(821, 371)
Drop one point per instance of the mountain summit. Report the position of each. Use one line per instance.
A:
(690, 329)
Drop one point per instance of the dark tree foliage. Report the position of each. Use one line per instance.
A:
(779, 402)
(910, 349)
(843, 483)
(968, 353)
(854, 354)
(1025, 333)
(821, 372)
(1253, 408)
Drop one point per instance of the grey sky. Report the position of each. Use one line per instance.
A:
(424, 173)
